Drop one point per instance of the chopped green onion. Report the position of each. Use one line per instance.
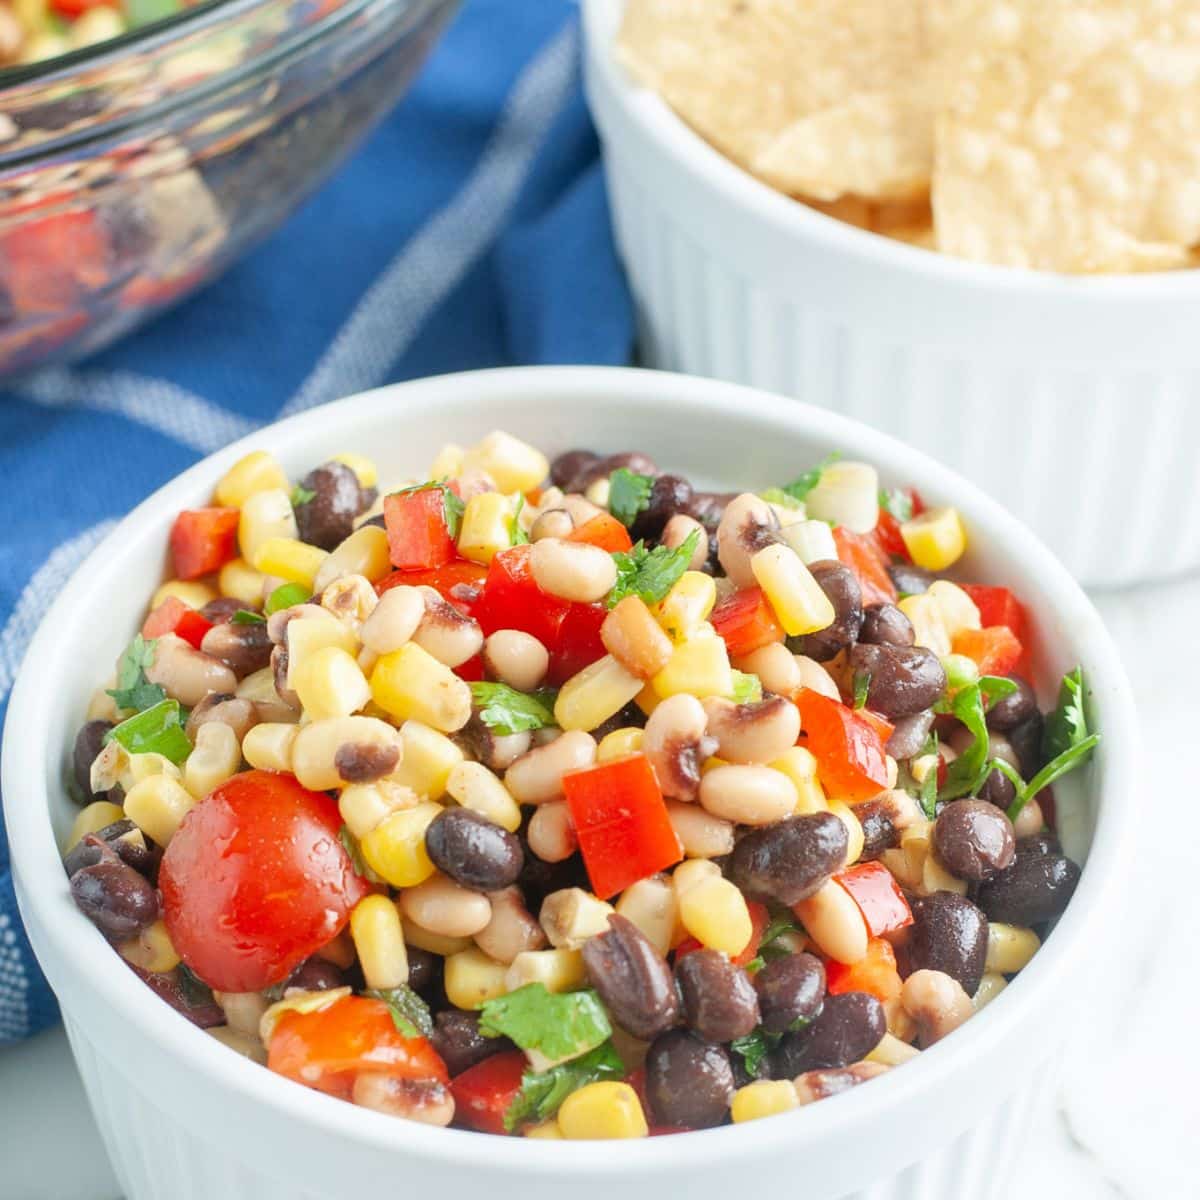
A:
(286, 596)
(158, 730)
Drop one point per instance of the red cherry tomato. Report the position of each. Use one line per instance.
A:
(255, 881)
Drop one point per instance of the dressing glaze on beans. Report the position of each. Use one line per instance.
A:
(570, 801)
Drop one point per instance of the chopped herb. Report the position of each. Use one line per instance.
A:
(755, 965)
(244, 616)
(134, 690)
(896, 501)
(747, 688)
(157, 730)
(286, 595)
(651, 574)
(560, 1026)
(754, 1048)
(195, 992)
(301, 495)
(504, 710)
(516, 533)
(927, 789)
(354, 850)
(543, 1092)
(778, 926)
(628, 494)
(862, 686)
(774, 495)
(966, 773)
(410, 1014)
(452, 507)
(799, 488)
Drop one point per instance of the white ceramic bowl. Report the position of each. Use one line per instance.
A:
(186, 1118)
(1075, 401)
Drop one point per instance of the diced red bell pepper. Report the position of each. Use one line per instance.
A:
(483, 1093)
(849, 753)
(879, 898)
(995, 650)
(882, 726)
(203, 540)
(604, 531)
(73, 8)
(326, 1050)
(621, 822)
(747, 622)
(511, 599)
(876, 974)
(418, 536)
(998, 606)
(471, 670)
(858, 552)
(460, 582)
(888, 537)
(173, 616)
(579, 643)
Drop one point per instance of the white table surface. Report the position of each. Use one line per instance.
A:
(1123, 1121)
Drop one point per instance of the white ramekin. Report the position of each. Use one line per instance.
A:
(184, 1117)
(1074, 401)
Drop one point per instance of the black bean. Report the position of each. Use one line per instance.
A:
(790, 989)
(602, 468)
(997, 790)
(473, 851)
(842, 588)
(168, 987)
(707, 507)
(1026, 740)
(569, 464)
(1010, 711)
(421, 969)
(115, 898)
(689, 1082)
(1035, 887)
(910, 580)
(317, 975)
(94, 847)
(632, 978)
(904, 679)
(244, 649)
(886, 625)
(788, 861)
(910, 734)
(1040, 843)
(221, 610)
(848, 1027)
(378, 520)
(457, 1039)
(879, 834)
(973, 839)
(539, 879)
(948, 934)
(89, 741)
(327, 518)
(669, 494)
(719, 1001)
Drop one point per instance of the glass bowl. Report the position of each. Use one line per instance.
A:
(134, 171)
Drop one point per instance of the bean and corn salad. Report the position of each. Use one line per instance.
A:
(35, 30)
(563, 800)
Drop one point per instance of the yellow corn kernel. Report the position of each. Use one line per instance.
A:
(687, 605)
(559, 970)
(361, 465)
(477, 788)
(410, 682)
(237, 578)
(763, 1098)
(958, 610)
(308, 635)
(799, 765)
(268, 747)
(92, 819)
(266, 514)
(546, 1130)
(364, 805)
(142, 766)
(854, 830)
(936, 538)
(448, 463)
(290, 559)
(256, 472)
(215, 758)
(603, 1110)
(714, 912)
(1009, 948)
(935, 878)
(892, 1052)
(811, 540)
(516, 466)
(647, 699)
(570, 916)
(330, 683)
(435, 943)
(652, 905)
(395, 848)
(152, 950)
(699, 666)
(596, 693)
(193, 593)
(990, 986)
(472, 979)
(428, 759)
(619, 743)
(847, 493)
(157, 806)
(379, 940)
(929, 627)
(796, 597)
(364, 552)
(487, 525)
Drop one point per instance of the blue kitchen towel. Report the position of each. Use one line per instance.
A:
(471, 231)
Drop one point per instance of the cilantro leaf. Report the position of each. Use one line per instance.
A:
(754, 1048)
(747, 689)
(896, 501)
(651, 574)
(244, 616)
(559, 1026)
(965, 775)
(354, 850)
(285, 596)
(133, 689)
(543, 1092)
(780, 924)
(628, 494)
(862, 686)
(927, 789)
(504, 710)
(516, 533)
(799, 488)
(156, 730)
(301, 495)
(410, 1014)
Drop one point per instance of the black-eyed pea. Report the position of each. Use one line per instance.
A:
(335, 751)
(1030, 821)
(351, 599)
(775, 665)
(512, 930)
(237, 713)
(937, 1003)
(516, 658)
(260, 691)
(244, 649)
(990, 986)
(423, 1100)
(758, 732)
(676, 742)
(551, 523)
(1009, 948)
(550, 834)
(573, 571)
(816, 678)
(819, 1085)
(700, 833)
(747, 526)
(443, 907)
(187, 674)
(536, 777)
(445, 632)
(747, 795)
(678, 529)
(243, 1010)
(834, 922)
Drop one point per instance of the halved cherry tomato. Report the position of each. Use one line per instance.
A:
(604, 531)
(255, 880)
(876, 974)
(879, 898)
(326, 1050)
(203, 540)
(173, 616)
(747, 622)
(418, 536)
(858, 552)
(995, 650)
(850, 758)
(484, 1092)
(460, 582)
